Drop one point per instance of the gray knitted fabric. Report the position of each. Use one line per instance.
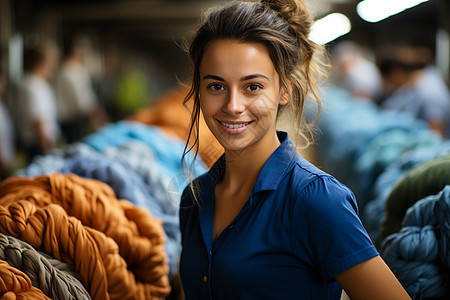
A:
(55, 279)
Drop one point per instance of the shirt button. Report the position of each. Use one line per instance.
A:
(210, 252)
(205, 279)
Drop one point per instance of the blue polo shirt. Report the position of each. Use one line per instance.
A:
(298, 229)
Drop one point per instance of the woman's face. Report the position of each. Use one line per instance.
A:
(240, 94)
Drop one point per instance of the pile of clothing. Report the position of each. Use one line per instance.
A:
(392, 161)
(97, 219)
(419, 253)
(359, 141)
(116, 247)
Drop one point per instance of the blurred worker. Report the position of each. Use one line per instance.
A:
(6, 133)
(415, 86)
(79, 112)
(354, 72)
(37, 120)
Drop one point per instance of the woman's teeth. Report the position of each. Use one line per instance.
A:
(234, 126)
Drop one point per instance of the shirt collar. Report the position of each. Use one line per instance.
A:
(273, 171)
(278, 164)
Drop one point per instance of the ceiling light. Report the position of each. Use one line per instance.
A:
(377, 10)
(329, 28)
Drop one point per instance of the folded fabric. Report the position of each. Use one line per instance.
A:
(168, 149)
(51, 281)
(139, 236)
(116, 167)
(385, 148)
(166, 192)
(424, 180)
(419, 254)
(360, 141)
(66, 268)
(375, 210)
(95, 256)
(130, 186)
(135, 155)
(14, 284)
(138, 157)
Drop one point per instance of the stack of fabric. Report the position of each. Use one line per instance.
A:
(140, 162)
(116, 247)
(419, 254)
(359, 141)
(404, 183)
(391, 161)
(96, 219)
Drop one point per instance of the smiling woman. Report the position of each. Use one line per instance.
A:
(264, 223)
(239, 97)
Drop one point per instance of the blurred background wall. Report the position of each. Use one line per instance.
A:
(145, 35)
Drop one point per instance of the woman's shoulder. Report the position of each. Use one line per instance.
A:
(317, 187)
(305, 173)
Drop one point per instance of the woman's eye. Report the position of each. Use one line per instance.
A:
(254, 87)
(215, 87)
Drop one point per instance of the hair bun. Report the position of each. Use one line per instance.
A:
(287, 9)
(294, 12)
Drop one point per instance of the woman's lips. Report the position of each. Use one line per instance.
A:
(234, 127)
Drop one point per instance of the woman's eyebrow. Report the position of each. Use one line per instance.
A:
(248, 77)
(253, 76)
(214, 77)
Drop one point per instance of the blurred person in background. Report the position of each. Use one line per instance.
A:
(413, 85)
(36, 117)
(354, 72)
(6, 133)
(79, 112)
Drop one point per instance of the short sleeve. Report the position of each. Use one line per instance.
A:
(325, 225)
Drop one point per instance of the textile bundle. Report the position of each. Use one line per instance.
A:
(370, 149)
(418, 166)
(140, 163)
(419, 254)
(70, 218)
(168, 157)
(386, 158)
(426, 179)
(48, 275)
(104, 210)
(360, 141)
(14, 284)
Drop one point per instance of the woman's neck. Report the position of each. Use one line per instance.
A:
(242, 168)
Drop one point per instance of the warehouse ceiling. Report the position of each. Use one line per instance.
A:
(156, 27)
(131, 19)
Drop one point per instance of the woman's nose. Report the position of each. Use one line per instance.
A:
(234, 103)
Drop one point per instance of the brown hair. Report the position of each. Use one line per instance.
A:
(283, 26)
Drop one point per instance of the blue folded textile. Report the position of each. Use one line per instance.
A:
(374, 211)
(418, 255)
(130, 186)
(359, 140)
(116, 167)
(138, 157)
(167, 149)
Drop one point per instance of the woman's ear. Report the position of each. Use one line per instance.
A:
(286, 93)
